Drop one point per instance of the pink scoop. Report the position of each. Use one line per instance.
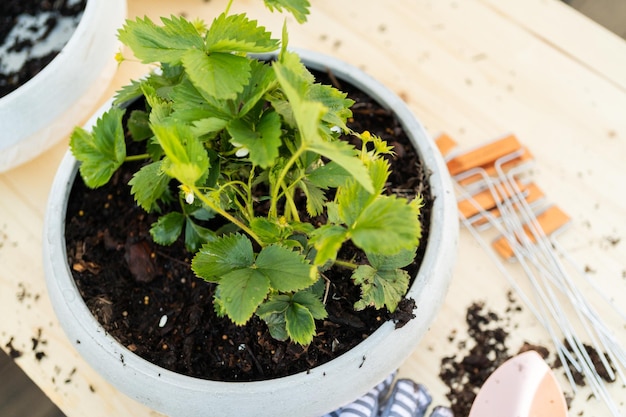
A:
(523, 386)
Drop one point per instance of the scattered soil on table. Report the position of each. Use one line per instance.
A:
(10, 12)
(170, 321)
(464, 376)
(13, 352)
(487, 343)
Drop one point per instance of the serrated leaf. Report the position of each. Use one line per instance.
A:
(277, 325)
(293, 76)
(167, 43)
(190, 105)
(329, 175)
(387, 226)
(138, 125)
(345, 156)
(286, 269)
(262, 80)
(196, 235)
(300, 324)
(309, 300)
(300, 309)
(308, 116)
(187, 160)
(219, 75)
(237, 33)
(148, 185)
(218, 257)
(351, 200)
(336, 103)
(389, 262)
(167, 228)
(379, 170)
(128, 92)
(380, 288)
(269, 232)
(315, 197)
(277, 303)
(101, 152)
(262, 139)
(327, 240)
(241, 293)
(298, 8)
(209, 125)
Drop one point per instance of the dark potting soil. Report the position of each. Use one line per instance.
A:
(12, 15)
(486, 349)
(170, 319)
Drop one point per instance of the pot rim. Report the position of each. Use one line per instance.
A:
(386, 343)
(43, 110)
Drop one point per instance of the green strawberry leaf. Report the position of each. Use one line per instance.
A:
(261, 139)
(293, 316)
(101, 152)
(315, 197)
(298, 8)
(308, 115)
(139, 126)
(387, 226)
(286, 269)
(196, 235)
(221, 256)
(390, 262)
(383, 284)
(220, 75)
(380, 288)
(241, 293)
(237, 33)
(300, 324)
(167, 228)
(309, 300)
(187, 160)
(327, 240)
(167, 43)
(336, 103)
(148, 185)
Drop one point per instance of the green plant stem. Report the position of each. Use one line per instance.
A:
(281, 178)
(136, 157)
(346, 264)
(230, 3)
(225, 214)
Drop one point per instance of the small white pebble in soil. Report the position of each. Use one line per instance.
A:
(163, 320)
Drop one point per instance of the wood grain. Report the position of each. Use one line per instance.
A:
(477, 69)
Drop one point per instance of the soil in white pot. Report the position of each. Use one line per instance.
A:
(32, 33)
(146, 296)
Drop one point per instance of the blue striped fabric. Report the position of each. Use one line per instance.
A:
(368, 404)
(406, 399)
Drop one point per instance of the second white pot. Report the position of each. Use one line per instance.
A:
(46, 108)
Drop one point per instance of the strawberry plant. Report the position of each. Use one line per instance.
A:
(258, 144)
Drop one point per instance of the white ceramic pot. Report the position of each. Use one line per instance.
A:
(308, 394)
(46, 108)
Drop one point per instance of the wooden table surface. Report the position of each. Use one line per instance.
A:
(476, 69)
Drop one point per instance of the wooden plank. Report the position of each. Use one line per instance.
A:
(484, 155)
(524, 156)
(473, 68)
(445, 144)
(572, 33)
